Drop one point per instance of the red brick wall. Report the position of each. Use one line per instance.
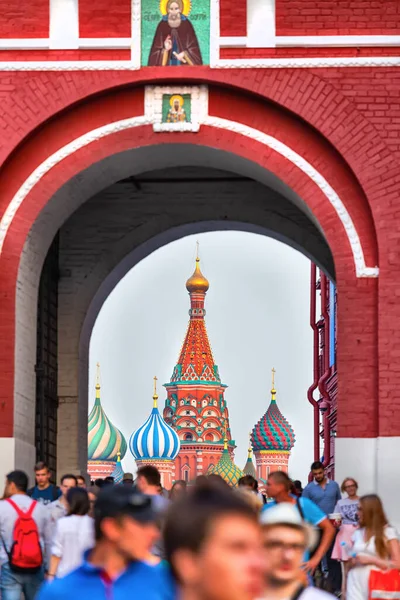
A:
(24, 19)
(103, 18)
(333, 17)
(354, 109)
(233, 17)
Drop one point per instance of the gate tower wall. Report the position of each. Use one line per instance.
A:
(333, 100)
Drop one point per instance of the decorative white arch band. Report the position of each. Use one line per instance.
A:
(361, 269)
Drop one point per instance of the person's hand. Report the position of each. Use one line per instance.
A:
(49, 577)
(362, 559)
(181, 56)
(311, 565)
(168, 43)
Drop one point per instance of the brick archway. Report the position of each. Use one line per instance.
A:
(38, 200)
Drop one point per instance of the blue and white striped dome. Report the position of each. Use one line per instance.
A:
(154, 439)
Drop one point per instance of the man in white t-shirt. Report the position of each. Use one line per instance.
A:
(286, 537)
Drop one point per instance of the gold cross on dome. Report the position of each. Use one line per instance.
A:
(155, 385)
(197, 250)
(273, 378)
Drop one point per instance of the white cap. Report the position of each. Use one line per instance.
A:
(285, 513)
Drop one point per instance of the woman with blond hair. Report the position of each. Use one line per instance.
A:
(348, 510)
(375, 548)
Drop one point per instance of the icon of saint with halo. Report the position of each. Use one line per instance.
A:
(175, 41)
(176, 113)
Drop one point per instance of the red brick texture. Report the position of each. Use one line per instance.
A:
(233, 17)
(24, 19)
(104, 18)
(333, 17)
(316, 112)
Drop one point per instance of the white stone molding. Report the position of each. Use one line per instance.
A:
(214, 32)
(154, 101)
(336, 41)
(261, 23)
(64, 24)
(359, 262)
(64, 34)
(136, 33)
(319, 62)
(361, 269)
(235, 63)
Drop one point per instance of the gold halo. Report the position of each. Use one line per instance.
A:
(177, 97)
(186, 7)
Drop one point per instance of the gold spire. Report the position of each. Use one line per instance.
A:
(155, 397)
(197, 282)
(273, 390)
(98, 381)
(250, 449)
(119, 456)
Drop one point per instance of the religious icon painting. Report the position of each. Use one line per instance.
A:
(176, 108)
(175, 32)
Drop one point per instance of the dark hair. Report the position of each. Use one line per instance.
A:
(82, 477)
(68, 476)
(282, 478)
(150, 473)
(40, 466)
(248, 481)
(98, 483)
(190, 519)
(78, 501)
(180, 483)
(317, 465)
(109, 480)
(297, 484)
(217, 480)
(19, 479)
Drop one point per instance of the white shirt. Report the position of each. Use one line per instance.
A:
(73, 536)
(312, 593)
(363, 547)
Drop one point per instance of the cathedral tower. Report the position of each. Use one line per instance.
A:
(106, 444)
(156, 443)
(195, 406)
(272, 439)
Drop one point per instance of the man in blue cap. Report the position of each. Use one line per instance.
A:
(125, 529)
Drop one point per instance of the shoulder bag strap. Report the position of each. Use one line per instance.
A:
(15, 506)
(31, 508)
(298, 593)
(299, 508)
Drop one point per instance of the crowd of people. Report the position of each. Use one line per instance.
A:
(198, 541)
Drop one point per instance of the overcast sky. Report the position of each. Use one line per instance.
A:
(257, 318)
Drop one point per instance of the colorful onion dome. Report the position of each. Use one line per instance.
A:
(273, 432)
(197, 282)
(154, 439)
(104, 439)
(249, 468)
(118, 472)
(226, 468)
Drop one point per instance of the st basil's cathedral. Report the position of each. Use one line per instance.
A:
(193, 436)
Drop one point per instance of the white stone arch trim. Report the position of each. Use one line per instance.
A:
(361, 269)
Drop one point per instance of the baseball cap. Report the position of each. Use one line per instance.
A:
(119, 500)
(285, 513)
(127, 477)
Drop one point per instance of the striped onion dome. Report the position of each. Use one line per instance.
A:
(249, 468)
(226, 468)
(273, 432)
(104, 439)
(118, 472)
(155, 438)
